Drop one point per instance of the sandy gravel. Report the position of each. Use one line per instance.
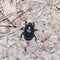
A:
(45, 14)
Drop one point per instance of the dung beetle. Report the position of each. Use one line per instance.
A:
(28, 31)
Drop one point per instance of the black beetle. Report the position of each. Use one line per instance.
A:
(28, 31)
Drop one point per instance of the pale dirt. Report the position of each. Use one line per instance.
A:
(47, 20)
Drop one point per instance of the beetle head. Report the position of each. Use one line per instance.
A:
(30, 24)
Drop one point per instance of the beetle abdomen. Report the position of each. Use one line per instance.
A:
(28, 38)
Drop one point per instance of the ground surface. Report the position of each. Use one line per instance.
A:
(45, 14)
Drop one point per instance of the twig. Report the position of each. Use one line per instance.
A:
(46, 38)
(19, 15)
(6, 26)
(58, 8)
(13, 31)
(57, 5)
(9, 21)
(9, 15)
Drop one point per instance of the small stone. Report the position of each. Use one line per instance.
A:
(53, 38)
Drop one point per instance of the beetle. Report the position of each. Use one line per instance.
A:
(28, 31)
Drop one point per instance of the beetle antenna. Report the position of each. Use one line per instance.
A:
(21, 28)
(33, 24)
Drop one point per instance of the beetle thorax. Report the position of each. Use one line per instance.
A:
(29, 29)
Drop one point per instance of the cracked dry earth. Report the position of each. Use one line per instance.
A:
(45, 14)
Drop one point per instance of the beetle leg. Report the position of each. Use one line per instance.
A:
(35, 38)
(35, 30)
(25, 22)
(21, 35)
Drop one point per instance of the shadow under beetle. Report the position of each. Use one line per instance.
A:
(28, 31)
